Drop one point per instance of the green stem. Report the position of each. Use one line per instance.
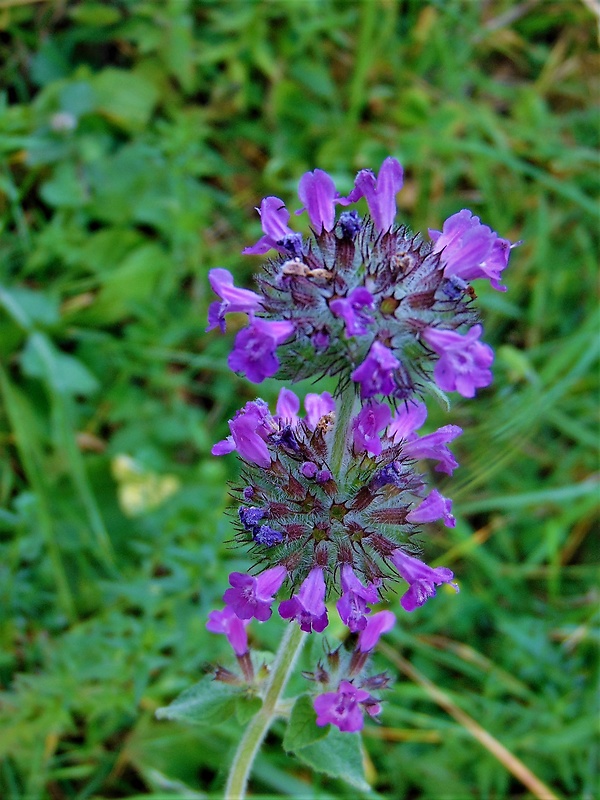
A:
(289, 650)
(340, 437)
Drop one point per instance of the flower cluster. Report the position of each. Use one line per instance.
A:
(362, 299)
(332, 501)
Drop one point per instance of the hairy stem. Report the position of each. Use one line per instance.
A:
(289, 650)
(343, 417)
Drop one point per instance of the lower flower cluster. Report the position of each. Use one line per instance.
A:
(321, 535)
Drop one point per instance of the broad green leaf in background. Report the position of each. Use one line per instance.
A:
(126, 98)
(64, 373)
(208, 702)
(338, 755)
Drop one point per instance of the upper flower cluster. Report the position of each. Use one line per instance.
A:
(361, 298)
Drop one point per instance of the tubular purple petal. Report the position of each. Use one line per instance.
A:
(341, 708)
(316, 191)
(254, 350)
(380, 193)
(370, 421)
(252, 597)
(352, 310)
(421, 578)
(273, 218)
(317, 406)
(464, 361)
(234, 628)
(232, 298)
(376, 626)
(435, 506)
(376, 373)
(471, 250)
(287, 407)
(307, 607)
(433, 445)
(408, 418)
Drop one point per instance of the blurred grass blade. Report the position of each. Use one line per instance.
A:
(514, 765)
(65, 436)
(30, 453)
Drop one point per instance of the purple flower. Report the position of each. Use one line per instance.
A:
(392, 473)
(250, 516)
(366, 426)
(264, 534)
(316, 191)
(349, 223)
(320, 340)
(234, 628)
(376, 373)
(352, 605)
(309, 469)
(407, 419)
(273, 219)
(287, 407)
(380, 193)
(323, 475)
(317, 406)
(435, 506)
(252, 597)
(249, 430)
(376, 626)
(464, 361)
(434, 446)
(341, 708)
(471, 250)
(421, 578)
(254, 351)
(308, 606)
(232, 299)
(351, 310)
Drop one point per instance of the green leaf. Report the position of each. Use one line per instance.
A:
(246, 706)
(208, 702)
(27, 307)
(338, 755)
(64, 373)
(134, 281)
(302, 728)
(125, 98)
(95, 14)
(65, 189)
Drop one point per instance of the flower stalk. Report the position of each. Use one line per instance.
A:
(287, 654)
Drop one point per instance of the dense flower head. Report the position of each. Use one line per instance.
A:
(332, 500)
(332, 537)
(363, 298)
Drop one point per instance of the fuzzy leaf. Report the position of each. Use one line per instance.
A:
(302, 728)
(338, 755)
(246, 706)
(207, 702)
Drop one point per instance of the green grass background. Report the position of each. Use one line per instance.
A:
(136, 137)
